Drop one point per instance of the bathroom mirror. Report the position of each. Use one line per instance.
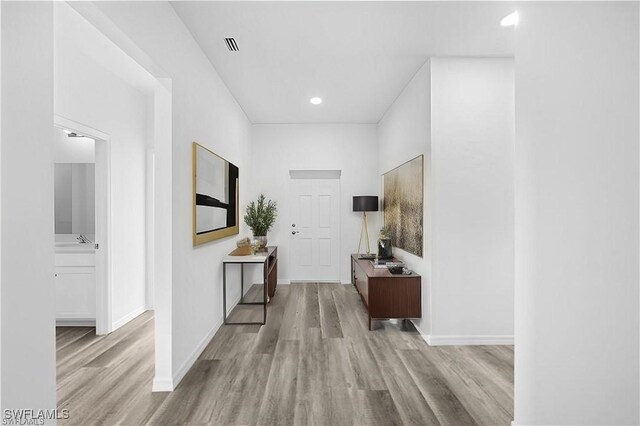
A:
(75, 198)
(215, 196)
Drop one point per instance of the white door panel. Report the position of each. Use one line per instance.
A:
(315, 229)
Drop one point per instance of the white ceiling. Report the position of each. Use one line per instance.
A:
(357, 56)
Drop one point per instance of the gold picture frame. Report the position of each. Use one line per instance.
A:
(214, 180)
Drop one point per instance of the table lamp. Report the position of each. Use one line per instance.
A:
(364, 204)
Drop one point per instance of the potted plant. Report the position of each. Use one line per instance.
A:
(260, 217)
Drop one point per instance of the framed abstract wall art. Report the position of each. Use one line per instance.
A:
(215, 196)
(403, 205)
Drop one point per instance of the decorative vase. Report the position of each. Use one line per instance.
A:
(384, 248)
(262, 241)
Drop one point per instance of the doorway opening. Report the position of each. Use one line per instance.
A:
(81, 206)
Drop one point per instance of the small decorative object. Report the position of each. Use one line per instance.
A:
(256, 247)
(396, 270)
(243, 242)
(242, 251)
(260, 217)
(385, 250)
(364, 204)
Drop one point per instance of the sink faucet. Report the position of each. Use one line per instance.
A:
(83, 239)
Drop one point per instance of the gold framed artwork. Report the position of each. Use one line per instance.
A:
(216, 210)
(403, 205)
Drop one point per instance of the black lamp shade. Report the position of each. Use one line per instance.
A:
(365, 203)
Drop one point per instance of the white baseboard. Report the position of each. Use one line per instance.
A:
(125, 319)
(73, 322)
(345, 282)
(284, 282)
(467, 340)
(191, 359)
(162, 385)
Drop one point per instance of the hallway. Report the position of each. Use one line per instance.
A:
(313, 363)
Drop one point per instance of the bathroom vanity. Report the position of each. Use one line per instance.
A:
(75, 281)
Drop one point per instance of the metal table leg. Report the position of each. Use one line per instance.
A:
(241, 282)
(265, 272)
(224, 291)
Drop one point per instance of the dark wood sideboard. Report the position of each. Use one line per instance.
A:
(384, 294)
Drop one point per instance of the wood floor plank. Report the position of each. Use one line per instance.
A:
(291, 319)
(314, 363)
(411, 404)
(311, 312)
(351, 311)
(480, 382)
(329, 320)
(366, 370)
(445, 404)
(375, 407)
(242, 407)
(313, 380)
(469, 392)
(269, 333)
(279, 407)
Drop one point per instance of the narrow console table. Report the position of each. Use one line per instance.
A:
(386, 295)
(269, 260)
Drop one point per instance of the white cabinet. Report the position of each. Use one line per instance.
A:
(75, 282)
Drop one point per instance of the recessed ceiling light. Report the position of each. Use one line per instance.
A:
(316, 100)
(510, 20)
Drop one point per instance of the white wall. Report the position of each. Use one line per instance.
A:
(576, 165)
(351, 148)
(1, 406)
(26, 204)
(72, 150)
(87, 93)
(404, 132)
(203, 110)
(459, 114)
(472, 141)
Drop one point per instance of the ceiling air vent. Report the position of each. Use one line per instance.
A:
(231, 44)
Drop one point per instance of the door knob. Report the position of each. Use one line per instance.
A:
(294, 232)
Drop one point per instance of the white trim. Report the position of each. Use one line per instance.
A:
(287, 282)
(162, 385)
(345, 282)
(73, 322)
(315, 174)
(65, 123)
(104, 237)
(467, 340)
(131, 315)
(191, 359)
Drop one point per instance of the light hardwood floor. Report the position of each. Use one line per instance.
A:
(314, 362)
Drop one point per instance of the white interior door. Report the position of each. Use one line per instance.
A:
(315, 229)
